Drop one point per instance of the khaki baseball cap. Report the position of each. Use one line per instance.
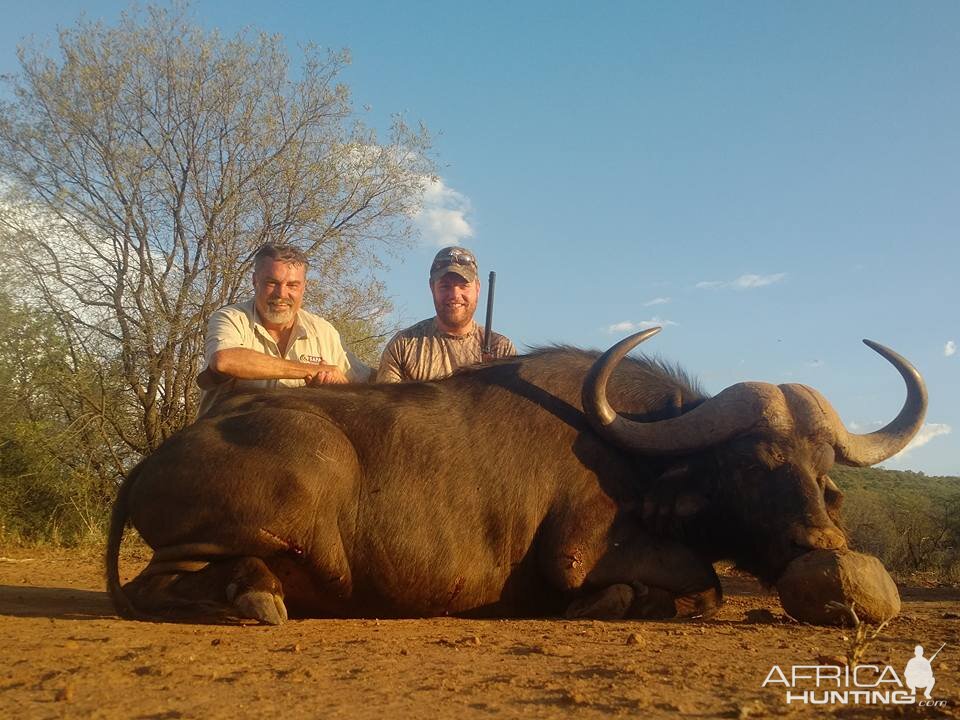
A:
(454, 259)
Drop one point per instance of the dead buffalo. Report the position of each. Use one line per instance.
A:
(511, 489)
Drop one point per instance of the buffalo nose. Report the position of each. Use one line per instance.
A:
(818, 538)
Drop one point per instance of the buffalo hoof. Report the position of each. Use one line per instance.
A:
(652, 603)
(816, 587)
(611, 603)
(262, 606)
(699, 605)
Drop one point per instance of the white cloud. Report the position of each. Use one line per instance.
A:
(442, 217)
(657, 301)
(927, 433)
(950, 348)
(441, 214)
(629, 326)
(744, 282)
(755, 281)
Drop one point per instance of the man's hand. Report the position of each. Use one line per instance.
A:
(327, 375)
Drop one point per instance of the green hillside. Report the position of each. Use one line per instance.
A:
(909, 520)
(897, 482)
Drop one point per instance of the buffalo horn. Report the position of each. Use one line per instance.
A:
(869, 449)
(731, 412)
(737, 409)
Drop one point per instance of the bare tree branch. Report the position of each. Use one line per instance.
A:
(142, 169)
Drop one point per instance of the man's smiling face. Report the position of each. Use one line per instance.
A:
(278, 290)
(455, 300)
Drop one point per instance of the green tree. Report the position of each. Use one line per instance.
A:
(49, 486)
(144, 166)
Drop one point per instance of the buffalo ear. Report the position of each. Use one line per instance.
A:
(660, 498)
(680, 491)
(832, 495)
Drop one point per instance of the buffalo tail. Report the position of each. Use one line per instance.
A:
(118, 522)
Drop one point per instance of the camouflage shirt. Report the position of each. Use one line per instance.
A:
(424, 352)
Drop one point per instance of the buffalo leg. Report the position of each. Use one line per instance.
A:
(256, 593)
(636, 600)
(668, 580)
(629, 573)
(611, 603)
(235, 587)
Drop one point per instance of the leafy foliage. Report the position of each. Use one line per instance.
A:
(907, 519)
(49, 487)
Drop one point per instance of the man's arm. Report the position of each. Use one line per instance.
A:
(390, 370)
(246, 364)
(503, 347)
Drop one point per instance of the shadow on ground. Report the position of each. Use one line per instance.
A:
(54, 602)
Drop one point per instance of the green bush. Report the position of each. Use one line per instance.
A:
(43, 500)
(909, 520)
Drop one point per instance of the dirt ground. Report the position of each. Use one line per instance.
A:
(63, 653)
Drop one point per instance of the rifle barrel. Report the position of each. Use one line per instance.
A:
(488, 325)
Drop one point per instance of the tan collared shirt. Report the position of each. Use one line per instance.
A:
(313, 341)
(424, 352)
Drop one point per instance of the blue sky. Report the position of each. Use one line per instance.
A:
(770, 181)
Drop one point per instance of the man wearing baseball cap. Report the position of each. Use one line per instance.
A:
(435, 347)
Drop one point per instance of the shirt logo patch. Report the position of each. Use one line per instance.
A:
(312, 359)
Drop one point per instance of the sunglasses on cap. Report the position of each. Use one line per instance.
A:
(457, 257)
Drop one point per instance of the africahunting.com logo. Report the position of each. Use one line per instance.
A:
(868, 684)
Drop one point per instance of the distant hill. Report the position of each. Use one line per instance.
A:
(896, 483)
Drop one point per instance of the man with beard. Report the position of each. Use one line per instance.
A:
(435, 347)
(270, 341)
